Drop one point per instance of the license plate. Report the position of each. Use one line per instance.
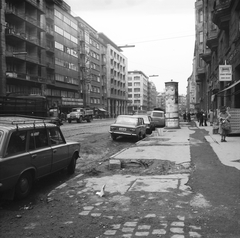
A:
(122, 129)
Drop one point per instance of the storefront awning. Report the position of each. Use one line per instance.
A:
(231, 86)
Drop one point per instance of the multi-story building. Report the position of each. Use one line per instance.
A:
(92, 62)
(221, 46)
(39, 53)
(137, 91)
(117, 76)
(152, 95)
(200, 66)
(160, 100)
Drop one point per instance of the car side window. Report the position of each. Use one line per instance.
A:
(17, 143)
(38, 139)
(55, 136)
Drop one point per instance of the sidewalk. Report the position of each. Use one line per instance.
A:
(229, 152)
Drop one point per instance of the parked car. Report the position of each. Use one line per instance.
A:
(31, 149)
(128, 126)
(148, 122)
(158, 118)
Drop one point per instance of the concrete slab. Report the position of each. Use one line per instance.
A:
(123, 183)
(178, 154)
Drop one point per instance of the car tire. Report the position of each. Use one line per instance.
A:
(139, 137)
(24, 185)
(69, 121)
(114, 137)
(72, 166)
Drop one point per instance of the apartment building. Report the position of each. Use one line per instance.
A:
(93, 78)
(221, 46)
(117, 72)
(137, 91)
(152, 95)
(39, 42)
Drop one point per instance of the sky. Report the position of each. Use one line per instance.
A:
(162, 31)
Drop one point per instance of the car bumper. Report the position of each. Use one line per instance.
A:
(123, 134)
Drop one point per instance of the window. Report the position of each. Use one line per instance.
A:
(55, 136)
(17, 143)
(200, 37)
(38, 139)
(200, 16)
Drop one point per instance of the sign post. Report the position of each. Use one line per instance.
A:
(225, 72)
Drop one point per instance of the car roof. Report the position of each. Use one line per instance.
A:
(18, 122)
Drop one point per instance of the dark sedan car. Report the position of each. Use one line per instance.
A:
(150, 126)
(128, 126)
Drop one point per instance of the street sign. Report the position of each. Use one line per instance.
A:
(225, 72)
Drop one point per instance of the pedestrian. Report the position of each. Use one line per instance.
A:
(200, 118)
(188, 117)
(224, 123)
(205, 118)
(198, 114)
(184, 116)
(210, 117)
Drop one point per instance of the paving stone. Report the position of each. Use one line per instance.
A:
(110, 232)
(127, 235)
(194, 234)
(177, 223)
(181, 218)
(84, 213)
(177, 236)
(96, 214)
(109, 217)
(116, 226)
(144, 227)
(176, 230)
(89, 208)
(127, 229)
(195, 227)
(150, 215)
(142, 233)
(130, 223)
(158, 232)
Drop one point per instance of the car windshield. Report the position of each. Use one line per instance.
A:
(127, 120)
(157, 114)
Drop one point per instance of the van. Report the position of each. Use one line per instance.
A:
(158, 118)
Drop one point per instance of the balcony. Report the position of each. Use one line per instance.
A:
(212, 39)
(221, 13)
(206, 56)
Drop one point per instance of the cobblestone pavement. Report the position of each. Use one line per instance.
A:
(172, 214)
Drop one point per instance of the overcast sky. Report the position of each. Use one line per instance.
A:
(163, 32)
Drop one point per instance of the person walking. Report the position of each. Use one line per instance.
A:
(205, 118)
(201, 118)
(210, 117)
(224, 123)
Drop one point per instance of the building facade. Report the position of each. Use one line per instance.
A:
(92, 63)
(221, 47)
(117, 77)
(138, 95)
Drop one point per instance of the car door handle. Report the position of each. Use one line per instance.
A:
(34, 156)
(54, 151)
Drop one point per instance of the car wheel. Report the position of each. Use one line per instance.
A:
(144, 135)
(24, 185)
(72, 166)
(139, 137)
(114, 137)
(69, 121)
